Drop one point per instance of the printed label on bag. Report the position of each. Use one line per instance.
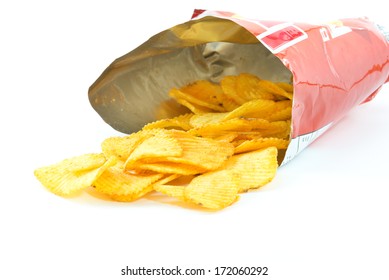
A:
(299, 143)
(281, 36)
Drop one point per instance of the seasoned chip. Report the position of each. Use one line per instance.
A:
(117, 181)
(227, 137)
(229, 104)
(182, 121)
(203, 93)
(178, 94)
(281, 105)
(274, 89)
(254, 169)
(201, 152)
(132, 197)
(247, 87)
(220, 128)
(194, 108)
(254, 109)
(172, 190)
(74, 174)
(208, 118)
(213, 190)
(282, 115)
(166, 179)
(122, 146)
(261, 143)
(166, 167)
(228, 84)
(180, 147)
(159, 145)
(276, 128)
(285, 86)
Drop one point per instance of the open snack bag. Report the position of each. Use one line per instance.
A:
(212, 107)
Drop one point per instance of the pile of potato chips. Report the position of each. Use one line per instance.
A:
(226, 144)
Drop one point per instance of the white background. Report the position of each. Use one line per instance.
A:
(324, 216)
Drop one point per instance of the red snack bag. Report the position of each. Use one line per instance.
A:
(333, 67)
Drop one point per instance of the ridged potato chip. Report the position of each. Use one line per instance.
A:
(122, 146)
(166, 167)
(197, 121)
(132, 197)
(220, 128)
(202, 93)
(282, 115)
(228, 84)
(261, 143)
(159, 145)
(219, 189)
(194, 108)
(285, 86)
(176, 146)
(247, 87)
(117, 181)
(74, 174)
(255, 169)
(257, 108)
(172, 191)
(213, 190)
(182, 121)
(275, 89)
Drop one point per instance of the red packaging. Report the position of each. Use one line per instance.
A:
(334, 67)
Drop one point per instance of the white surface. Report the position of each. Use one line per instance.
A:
(325, 215)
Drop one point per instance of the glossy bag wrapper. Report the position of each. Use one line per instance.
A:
(333, 67)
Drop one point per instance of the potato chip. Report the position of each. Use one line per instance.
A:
(254, 169)
(166, 167)
(179, 94)
(261, 143)
(285, 86)
(201, 152)
(159, 145)
(203, 93)
(208, 118)
(281, 105)
(282, 115)
(166, 179)
(258, 123)
(117, 181)
(182, 121)
(244, 136)
(180, 147)
(254, 108)
(229, 104)
(274, 89)
(74, 174)
(213, 190)
(122, 146)
(220, 128)
(132, 197)
(275, 128)
(247, 87)
(227, 137)
(172, 191)
(194, 108)
(228, 84)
